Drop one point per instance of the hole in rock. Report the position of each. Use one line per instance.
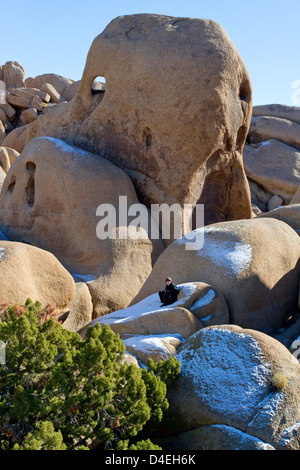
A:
(147, 137)
(98, 85)
(245, 91)
(11, 185)
(30, 190)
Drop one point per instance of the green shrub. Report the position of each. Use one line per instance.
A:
(59, 391)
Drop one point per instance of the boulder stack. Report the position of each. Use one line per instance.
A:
(23, 100)
(272, 155)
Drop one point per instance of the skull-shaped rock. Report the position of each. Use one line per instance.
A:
(175, 113)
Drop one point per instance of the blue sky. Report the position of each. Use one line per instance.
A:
(56, 36)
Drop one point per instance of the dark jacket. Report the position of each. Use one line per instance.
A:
(169, 295)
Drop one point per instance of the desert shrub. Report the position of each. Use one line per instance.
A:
(59, 391)
(279, 382)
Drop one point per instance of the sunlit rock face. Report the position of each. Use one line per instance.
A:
(175, 113)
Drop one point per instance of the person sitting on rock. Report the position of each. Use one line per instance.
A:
(169, 295)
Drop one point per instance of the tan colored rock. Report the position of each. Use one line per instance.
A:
(52, 92)
(275, 202)
(255, 210)
(292, 113)
(129, 359)
(71, 90)
(50, 199)
(210, 307)
(29, 272)
(2, 178)
(9, 110)
(264, 128)
(253, 263)
(259, 196)
(13, 74)
(2, 132)
(289, 214)
(17, 138)
(3, 116)
(274, 166)
(4, 159)
(296, 197)
(57, 81)
(11, 153)
(27, 116)
(42, 94)
(22, 99)
(81, 308)
(227, 378)
(171, 320)
(148, 317)
(155, 347)
(188, 141)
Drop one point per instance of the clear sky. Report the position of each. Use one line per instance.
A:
(55, 36)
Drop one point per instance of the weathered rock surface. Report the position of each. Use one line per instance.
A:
(50, 197)
(271, 155)
(13, 75)
(274, 202)
(216, 437)
(2, 132)
(149, 330)
(264, 128)
(253, 263)
(12, 153)
(292, 113)
(80, 309)
(17, 138)
(296, 197)
(221, 364)
(289, 214)
(29, 272)
(156, 347)
(9, 111)
(2, 177)
(275, 166)
(57, 81)
(22, 99)
(52, 92)
(4, 159)
(27, 116)
(188, 142)
(148, 318)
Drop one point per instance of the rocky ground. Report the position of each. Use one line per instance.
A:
(236, 324)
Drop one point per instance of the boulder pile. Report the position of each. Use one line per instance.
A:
(272, 156)
(174, 127)
(23, 100)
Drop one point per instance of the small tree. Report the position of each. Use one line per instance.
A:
(59, 391)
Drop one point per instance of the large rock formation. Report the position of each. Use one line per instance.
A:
(175, 113)
(243, 381)
(253, 263)
(275, 166)
(29, 272)
(50, 198)
(151, 326)
(272, 155)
